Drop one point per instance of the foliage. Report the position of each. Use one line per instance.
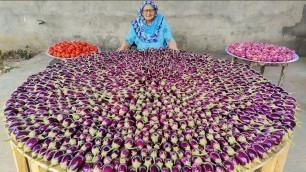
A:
(25, 54)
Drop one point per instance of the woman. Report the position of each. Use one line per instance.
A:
(149, 30)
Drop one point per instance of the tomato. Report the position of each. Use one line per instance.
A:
(71, 49)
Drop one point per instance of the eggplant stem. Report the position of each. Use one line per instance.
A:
(132, 148)
(290, 142)
(299, 124)
(248, 166)
(199, 154)
(7, 140)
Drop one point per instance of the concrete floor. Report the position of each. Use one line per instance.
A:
(295, 83)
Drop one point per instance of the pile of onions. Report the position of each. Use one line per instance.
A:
(156, 110)
(258, 51)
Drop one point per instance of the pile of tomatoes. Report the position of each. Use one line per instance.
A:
(71, 49)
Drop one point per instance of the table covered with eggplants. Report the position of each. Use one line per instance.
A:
(153, 110)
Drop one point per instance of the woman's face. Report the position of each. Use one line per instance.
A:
(148, 13)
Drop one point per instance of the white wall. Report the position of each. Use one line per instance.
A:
(202, 26)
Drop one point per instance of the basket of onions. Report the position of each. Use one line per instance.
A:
(262, 52)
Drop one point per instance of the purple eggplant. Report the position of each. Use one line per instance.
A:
(251, 153)
(196, 168)
(86, 167)
(86, 147)
(57, 157)
(219, 168)
(105, 150)
(186, 169)
(228, 165)
(66, 160)
(142, 169)
(117, 143)
(98, 166)
(107, 160)
(140, 143)
(15, 125)
(176, 169)
(31, 142)
(154, 168)
(48, 156)
(42, 152)
(136, 162)
(122, 168)
(21, 134)
(76, 163)
(35, 150)
(72, 149)
(185, 146)
(108, 168)
(275, 139)
(215, 157)
(242, 158)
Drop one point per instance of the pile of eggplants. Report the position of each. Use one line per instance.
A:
(153, 110)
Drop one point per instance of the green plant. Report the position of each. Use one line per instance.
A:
(25, 54)
(1, 60)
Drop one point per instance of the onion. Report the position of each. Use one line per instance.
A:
(261, 52)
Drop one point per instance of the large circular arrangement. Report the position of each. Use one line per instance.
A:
(157, 110)
(262, 52)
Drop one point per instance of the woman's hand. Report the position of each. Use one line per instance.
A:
(120, 48)
(124, 46)
(173, 46)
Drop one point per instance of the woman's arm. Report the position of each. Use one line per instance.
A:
(129, 39)
(168, 36)
(125, 46)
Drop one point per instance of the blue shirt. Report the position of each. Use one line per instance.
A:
(164, 36)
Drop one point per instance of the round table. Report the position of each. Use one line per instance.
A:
(263, 64)
(273, 162)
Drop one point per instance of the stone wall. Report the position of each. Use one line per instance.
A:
(200, 26)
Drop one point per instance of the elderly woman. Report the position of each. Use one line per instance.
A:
(149, 30)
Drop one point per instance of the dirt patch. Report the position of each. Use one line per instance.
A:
(13, 58)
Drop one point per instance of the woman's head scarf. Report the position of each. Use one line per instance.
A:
(139, 24)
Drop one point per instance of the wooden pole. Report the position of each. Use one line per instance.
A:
(20, 160)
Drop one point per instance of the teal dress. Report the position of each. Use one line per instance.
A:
(159, 32)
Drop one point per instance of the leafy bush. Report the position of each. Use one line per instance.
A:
(25, 54)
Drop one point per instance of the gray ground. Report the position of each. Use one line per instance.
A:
(295, 83)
